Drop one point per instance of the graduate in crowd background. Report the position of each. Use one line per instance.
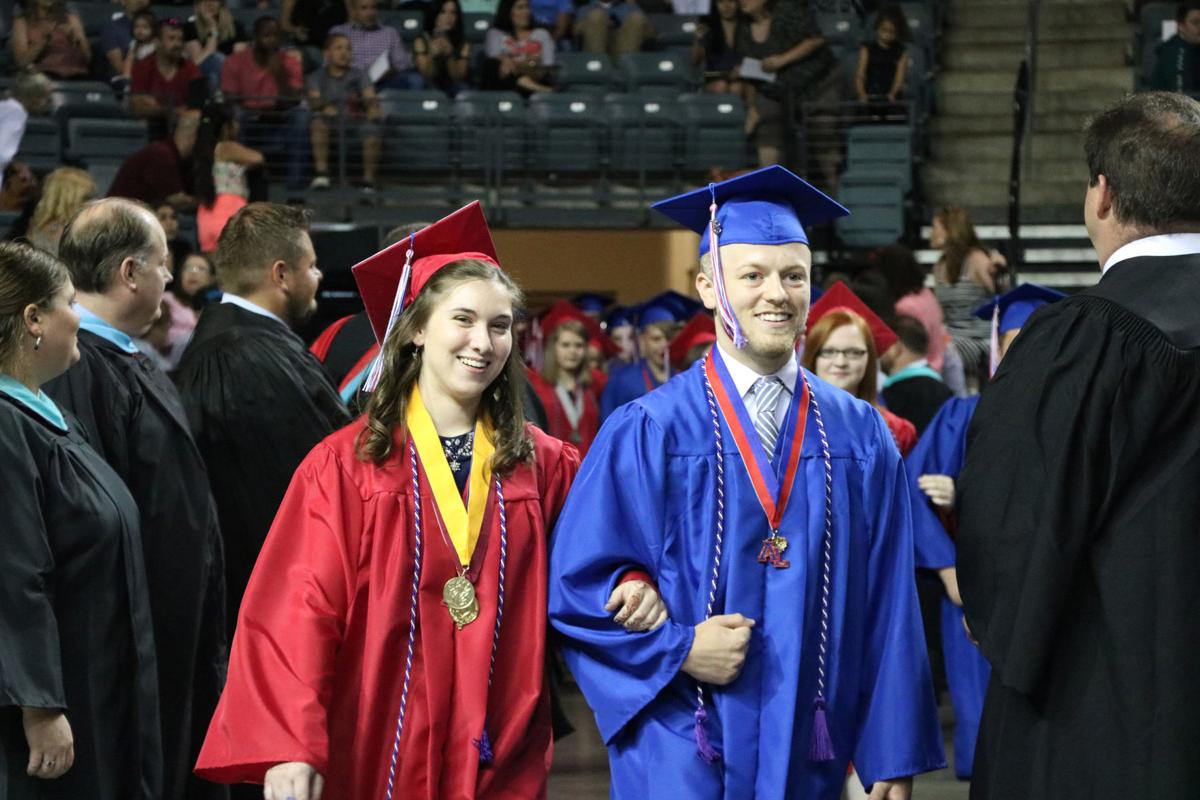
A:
(933, 468)
(657, 319)
(256, 399)
(80, 695)
(403, 657)
(565, 384)
(770, 509)
(842, 346)
(1078, 510)
(130, 411)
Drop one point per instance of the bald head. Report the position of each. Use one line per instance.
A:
(103, 235)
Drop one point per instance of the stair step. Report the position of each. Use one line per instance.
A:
(945, 172)
(1033, 193)
(1012, 15)
(964, 37)
(998, 147)
(1079, 101)
(1001, 81)
(1050, 56)
(1043, 122)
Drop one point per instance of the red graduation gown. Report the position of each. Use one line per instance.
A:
(558, 425)
(903, 431)
(318, 659)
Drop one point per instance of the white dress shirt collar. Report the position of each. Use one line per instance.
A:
(1167, 244)
(252, 307)
(744, 376)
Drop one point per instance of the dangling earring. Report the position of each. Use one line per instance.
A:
(418, 349)
(37, 343)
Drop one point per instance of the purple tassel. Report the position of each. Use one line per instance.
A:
(822, 744)
(485, 747)
(703, 745)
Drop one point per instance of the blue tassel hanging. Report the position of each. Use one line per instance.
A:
(822, 743)
(703, 745)
(485, 746)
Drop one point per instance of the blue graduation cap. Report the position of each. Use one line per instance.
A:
(769, 206)
(1011, 310)
(670, 306)
(619, 317)
(591, 302)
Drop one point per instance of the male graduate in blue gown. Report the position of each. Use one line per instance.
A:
(933, 467)
(658, 320)
(772, 511)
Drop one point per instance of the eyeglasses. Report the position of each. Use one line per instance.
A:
(850, 353)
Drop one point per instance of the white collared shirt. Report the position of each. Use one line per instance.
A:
(1166, 244)
(254, 308)
(744, 378)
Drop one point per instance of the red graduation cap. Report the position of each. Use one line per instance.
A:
(699, 330)
(562, 311)
(840, 298)
(407, 266)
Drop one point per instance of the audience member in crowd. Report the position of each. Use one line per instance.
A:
(80, 705)
(1177, 60)
(244, 350)
(442, 53)
(64, 192)
(116, 35)
(48, 37)
(29, 96)
(715, 47)
(177, 247)
(615, 27)
(913, 389)
(159, 84)
(193, 274)
(211, 34)
(161, 171)
(842, 347)
(219, 165)
(519, 56)
(965, 277)
(565, 384)
(343, 103)
(267, 84)
(142, 43)
(784, 38)
(131, 414)
(883, 62)
(307, 22)
(373, 44)
(19, 188)
(555, 16)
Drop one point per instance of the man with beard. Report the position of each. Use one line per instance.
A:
(131, 414)
(770, 509)
(257, 400)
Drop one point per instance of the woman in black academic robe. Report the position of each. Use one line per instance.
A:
(78, 704)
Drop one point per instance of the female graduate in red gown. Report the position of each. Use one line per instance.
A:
(565, 383)
(842, 346)
(391, 641)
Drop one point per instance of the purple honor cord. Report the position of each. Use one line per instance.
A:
(821, 748)
(483, 742)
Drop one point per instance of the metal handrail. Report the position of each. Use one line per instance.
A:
(1024, 94)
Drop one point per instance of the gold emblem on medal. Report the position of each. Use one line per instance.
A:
(459, 596)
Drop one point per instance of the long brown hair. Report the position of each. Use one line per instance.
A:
(28, 276)
(961, 239)
(820, 333)
(550, 368)
(502, 402)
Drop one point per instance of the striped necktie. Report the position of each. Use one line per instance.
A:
(766, 397)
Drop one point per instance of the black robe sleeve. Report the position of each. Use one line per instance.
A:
(30, 661)
(1043, 455)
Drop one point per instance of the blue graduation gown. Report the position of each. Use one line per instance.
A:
(941, 451)
(646, 496)
(626, 384)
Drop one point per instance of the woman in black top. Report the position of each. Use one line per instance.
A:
(714, 47)
(209, 35)
(79, 699)
(883, 62)
(442, 54)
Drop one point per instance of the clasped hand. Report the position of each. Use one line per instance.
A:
(719, 649)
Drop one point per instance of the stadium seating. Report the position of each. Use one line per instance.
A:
(713, 133)
(643, 134)
(491, 132)
(582, 70)
(566, 133)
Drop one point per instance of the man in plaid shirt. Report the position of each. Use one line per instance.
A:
(370, 40)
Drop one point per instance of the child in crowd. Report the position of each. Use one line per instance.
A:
(343, 98)
(145, 31)
(883, 63)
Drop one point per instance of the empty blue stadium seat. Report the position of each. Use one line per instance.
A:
(41, 146)
(105, 139)
(876, 214)
(475, 27)
(714, 134)
(581, 70)
(417, 136)
(566, 133)
(491, 131)
(658, 69)
(674, 30)
(409, 23)
(644, 134)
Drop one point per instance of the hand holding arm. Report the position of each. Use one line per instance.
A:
(719, 649)
(293, 779)
(895, 789)
(641, 606)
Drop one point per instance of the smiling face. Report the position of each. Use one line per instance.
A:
(842, 359)
(768, 290)
(467, 340)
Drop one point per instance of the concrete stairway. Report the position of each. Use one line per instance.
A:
(1081, 59)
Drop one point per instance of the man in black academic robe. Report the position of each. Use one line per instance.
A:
(913, 390)
(256, 398)
(1079, 513)
(131, 414)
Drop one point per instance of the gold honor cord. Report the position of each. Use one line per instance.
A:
(463, 522)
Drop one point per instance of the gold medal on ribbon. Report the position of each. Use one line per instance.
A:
(463, 521)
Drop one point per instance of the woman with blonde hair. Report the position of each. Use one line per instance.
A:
(391, 641)
(843, 345)
(64, 192)
(966, 275)
(565, 385)
(211, 34)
